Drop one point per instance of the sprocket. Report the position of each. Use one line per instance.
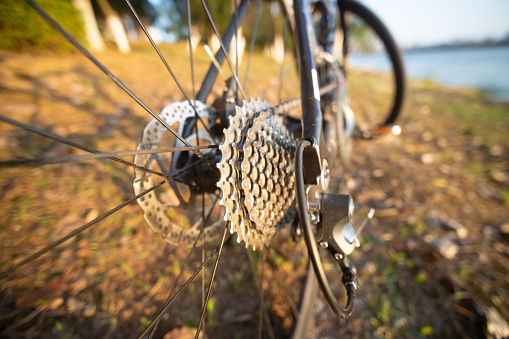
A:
(257, 180)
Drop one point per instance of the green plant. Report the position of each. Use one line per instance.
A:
(23, 29)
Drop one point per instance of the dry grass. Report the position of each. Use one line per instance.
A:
(110, 280)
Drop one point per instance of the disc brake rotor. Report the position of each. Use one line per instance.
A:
(178, 212)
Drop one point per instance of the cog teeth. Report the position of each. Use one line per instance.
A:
(256, 155)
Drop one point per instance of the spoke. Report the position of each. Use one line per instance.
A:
(167, 173)
(69, 158)
(262, 297)
(281, 283)
(275, 83)
(203, 303)
(329, 88)
(211, 281)
(255, 278)
(191, 61)
(203, 258)
(214, 61)
(204, 223)
(253, 38)
(192, 103)
(293, 103)
(96, 153)
(81, 229)
(188, 10)
(74, 144)
(236, 44)
(142, 26)
(285, 37)
(173, 176)
(211, 76)
(181, 290)
(223, 48)
(117, 81)
(93, 222)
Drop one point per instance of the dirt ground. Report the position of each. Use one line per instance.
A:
(433, 263)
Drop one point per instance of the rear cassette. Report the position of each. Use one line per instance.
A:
(257, 180)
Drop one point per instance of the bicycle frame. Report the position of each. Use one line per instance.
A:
(310, 94)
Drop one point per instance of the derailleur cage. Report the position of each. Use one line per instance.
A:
(335, 231)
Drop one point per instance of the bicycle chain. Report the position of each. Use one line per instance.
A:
(257, 166)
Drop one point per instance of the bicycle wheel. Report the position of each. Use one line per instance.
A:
(374, 64)
(78, 259)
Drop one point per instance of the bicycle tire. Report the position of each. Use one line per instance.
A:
(392, 50)
(303, 321)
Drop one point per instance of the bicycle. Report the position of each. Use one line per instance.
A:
(233, 144)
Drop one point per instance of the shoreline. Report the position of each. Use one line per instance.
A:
(446, 47)
(485, 69)
(491, 95)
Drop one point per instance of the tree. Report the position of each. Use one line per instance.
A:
(220, 10)
(94, 37)
(361, 37)
(115, 25)
(22, 28)
(113, 15)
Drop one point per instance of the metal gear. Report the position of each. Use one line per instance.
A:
(257, 180)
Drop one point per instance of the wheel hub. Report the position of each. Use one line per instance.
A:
(178, 212)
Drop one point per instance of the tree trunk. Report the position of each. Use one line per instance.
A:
(195, 38)
(215, 46)
(115, 25)
(237, 47)
(94, 37)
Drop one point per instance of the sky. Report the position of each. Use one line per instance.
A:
(424, 22)
(414, 22)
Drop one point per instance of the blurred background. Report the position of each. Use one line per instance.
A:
(455, 43)
(434, 261)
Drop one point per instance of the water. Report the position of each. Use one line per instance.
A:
(483, 68)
